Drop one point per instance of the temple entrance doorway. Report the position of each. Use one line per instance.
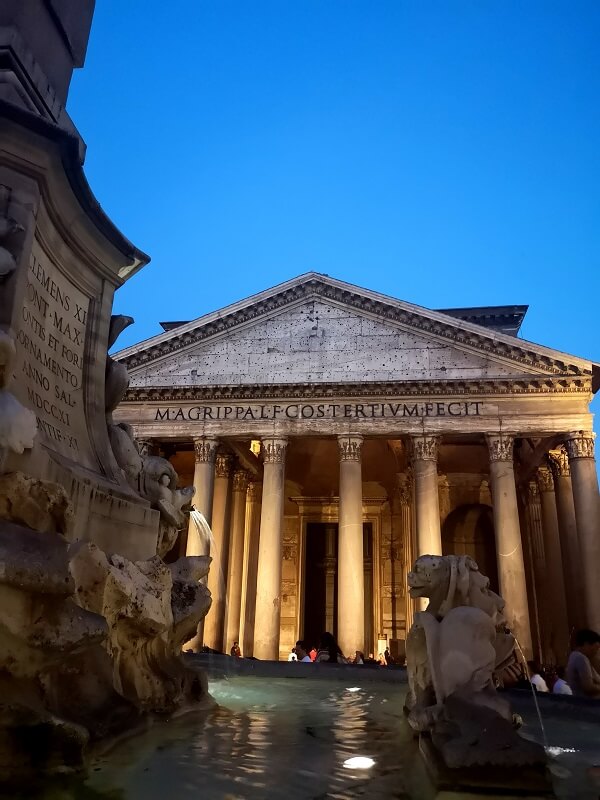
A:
(469, 530)
(320, 605)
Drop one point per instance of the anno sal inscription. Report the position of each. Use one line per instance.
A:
(50, 346)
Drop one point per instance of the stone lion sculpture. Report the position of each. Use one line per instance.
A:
(455, 652)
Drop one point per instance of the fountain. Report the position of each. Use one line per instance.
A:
(92, 619)
(458, 651)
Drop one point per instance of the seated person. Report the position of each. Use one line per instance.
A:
(581, 675)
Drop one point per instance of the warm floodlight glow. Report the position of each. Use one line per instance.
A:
(255, 446)
(353, 688)
(359, 762)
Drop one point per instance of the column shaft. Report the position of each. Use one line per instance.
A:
(204, 482)
(268, 586)
(569, 542)
(405, 491)
(556, 597)
(538, 558)
(351, 577)
(236, 559)
(509, 549)
(253, 504)
(219, 551)
(427, 503)
(580, 448)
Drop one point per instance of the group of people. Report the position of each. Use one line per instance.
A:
(580, 677)
(330, 652)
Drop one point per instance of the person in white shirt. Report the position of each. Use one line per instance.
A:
(536, 678)
(560, 685)
(581, 675)
(292, 656)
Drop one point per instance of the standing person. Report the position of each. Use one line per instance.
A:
(329, 651)
(301, 652)
(536, 678)
(313, 654)
(292, 656)
(235, 650)
(581, 676)
(560, 686)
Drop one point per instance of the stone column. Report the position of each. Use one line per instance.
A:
(253, 500)
(204, 481)
(268, 585)
(351, 577)
(580, 449)
(405, 492)
(509, 549)
(555, 582)
(427, 503)
(541, 620)
(236, 559)
(219, 551)
(329, 566)
(569, 542)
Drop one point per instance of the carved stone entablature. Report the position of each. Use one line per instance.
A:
(316, 287)
(240, 480)
(205, 450)
(424, 448)
(559, 463)
(223, 464)
(580, 444)
(545, 479)
(525, 384)
(500, 446)
(289, 552)
(350, 447)
(274, 450)
(404, 488)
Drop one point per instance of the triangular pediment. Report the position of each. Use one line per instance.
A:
(319, 330)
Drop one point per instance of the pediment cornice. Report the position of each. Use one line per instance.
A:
(434, 324)
(524, 385)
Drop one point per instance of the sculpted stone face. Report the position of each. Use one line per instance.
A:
(427, 575)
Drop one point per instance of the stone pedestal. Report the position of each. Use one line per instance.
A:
(236, 559)
(580, 449)
(509, 548)
(351, 581)
(268, 587)
(219, 551)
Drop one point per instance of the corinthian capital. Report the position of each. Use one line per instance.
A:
(545, 479)
(500, 446)
(533, 492)
(559, 463)
(580, 444)
(205, 450)
(350, 447)
(424, 448)
(274, 450)
(223, 465)
(240, 480)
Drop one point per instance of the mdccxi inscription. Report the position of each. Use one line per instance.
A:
(306, 411)
(50, 345)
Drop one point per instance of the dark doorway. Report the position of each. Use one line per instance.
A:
(469, 530)
(320, 585)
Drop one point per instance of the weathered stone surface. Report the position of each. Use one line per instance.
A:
(40, 505)
(455, 651)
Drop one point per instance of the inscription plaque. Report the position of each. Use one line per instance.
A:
(50, 342)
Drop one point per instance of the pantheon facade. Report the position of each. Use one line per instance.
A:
(334, 434)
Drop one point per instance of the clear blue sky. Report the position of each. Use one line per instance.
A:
(446, 153)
